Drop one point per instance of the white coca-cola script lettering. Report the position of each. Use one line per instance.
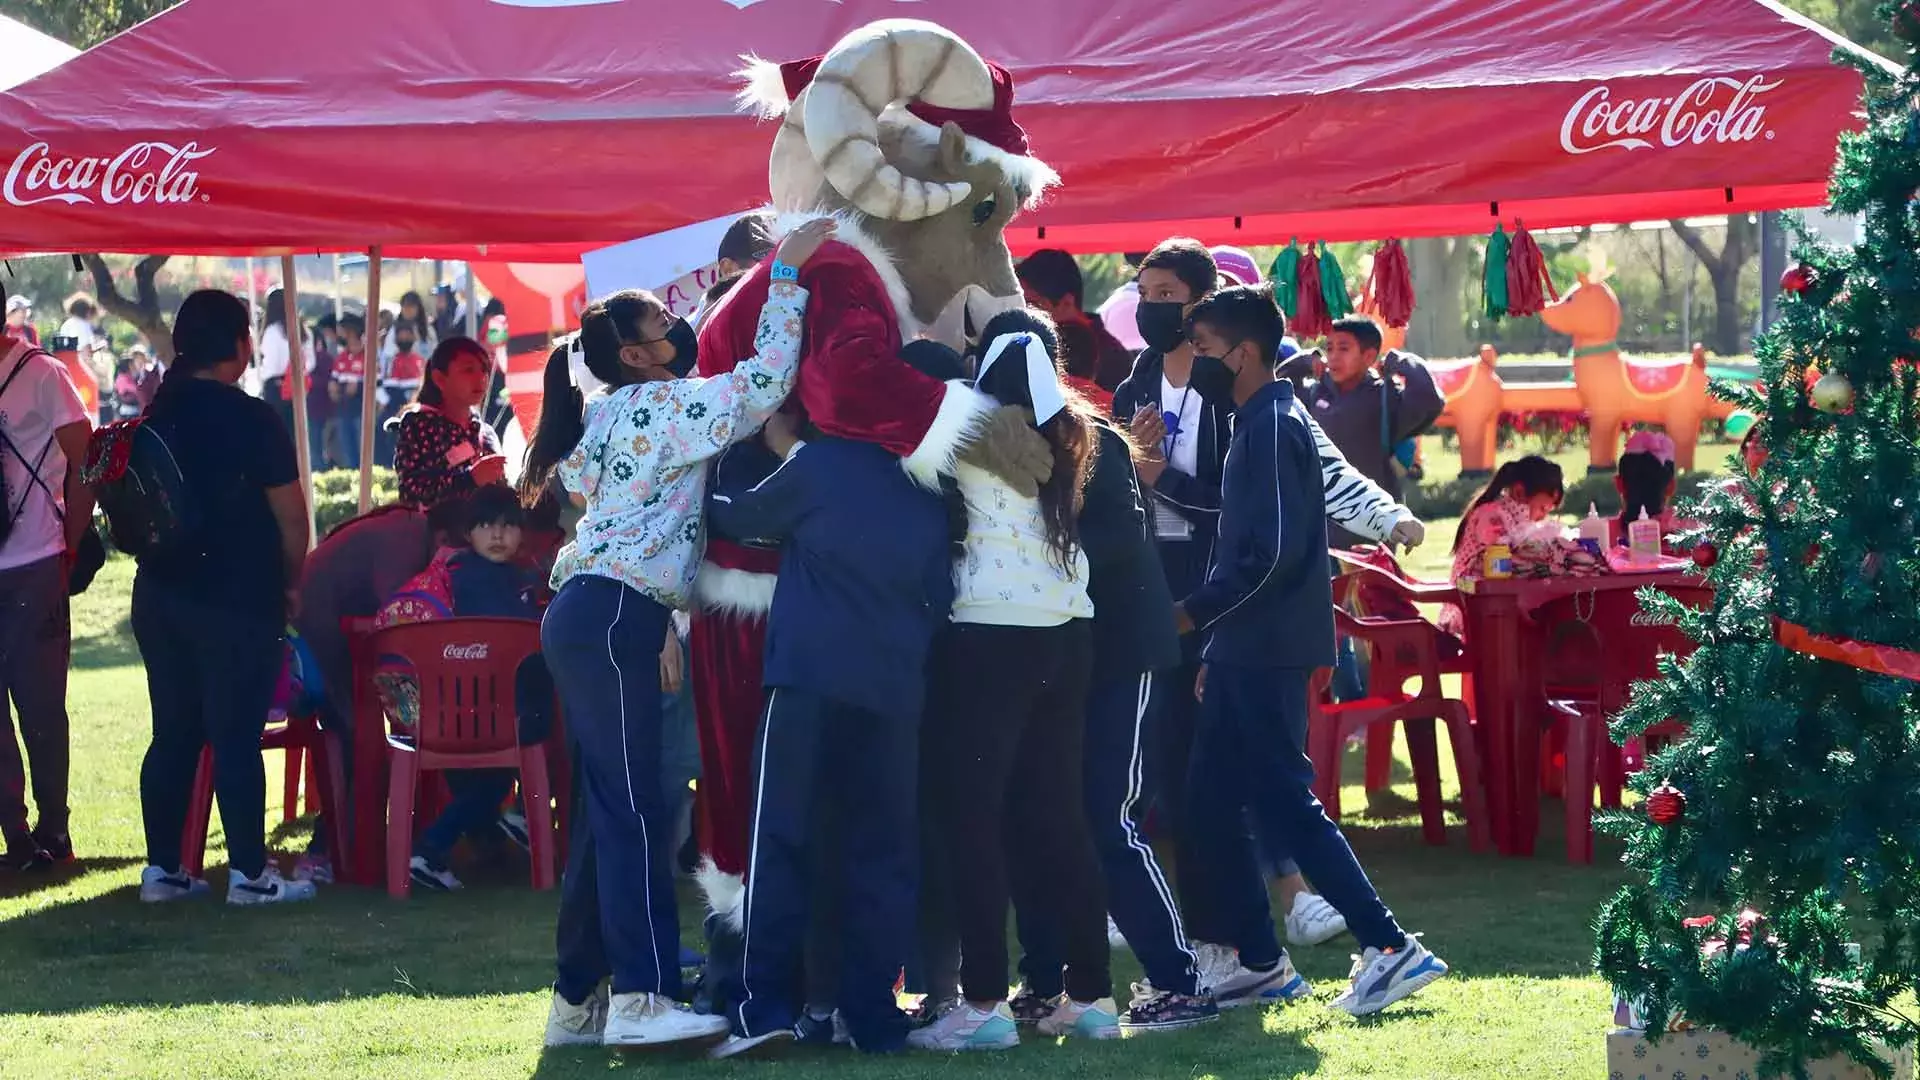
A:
(475, 651)
(1648, 619)
(146, 172)
(1714, 109)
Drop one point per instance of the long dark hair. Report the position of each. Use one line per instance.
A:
(277, 313)
(1069, 432)
(607, 325)
(1643, 482)
(422, 330)
(1533, 474)
(444, 354)
(206, 332)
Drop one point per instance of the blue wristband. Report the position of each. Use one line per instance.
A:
(783, 272)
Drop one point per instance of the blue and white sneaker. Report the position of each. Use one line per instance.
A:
(1382, 977)
(965, 1028)
(1083, 1020)
(157, 886)
(1240, 985)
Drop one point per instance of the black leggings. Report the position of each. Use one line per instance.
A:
(1001, 769)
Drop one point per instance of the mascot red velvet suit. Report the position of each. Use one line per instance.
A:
(906, 137)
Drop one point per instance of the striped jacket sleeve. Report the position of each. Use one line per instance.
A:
(1354, 502)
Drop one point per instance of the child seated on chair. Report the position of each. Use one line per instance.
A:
(1647, 480)
(484, 578)
(1512, 510)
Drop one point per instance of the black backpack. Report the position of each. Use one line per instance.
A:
(137, 480)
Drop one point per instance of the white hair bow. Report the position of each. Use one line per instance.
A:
(582, 378)
(1043, 383)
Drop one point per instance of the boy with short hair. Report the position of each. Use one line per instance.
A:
(1371, 403)
(1266, 608)
(484, 578)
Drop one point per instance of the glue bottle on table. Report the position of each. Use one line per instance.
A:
(1593, 532)
(1643, 539)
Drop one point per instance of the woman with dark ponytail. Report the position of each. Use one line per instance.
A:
(633, 451)
(210, 610)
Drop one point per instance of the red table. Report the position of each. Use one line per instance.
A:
(1504, 644)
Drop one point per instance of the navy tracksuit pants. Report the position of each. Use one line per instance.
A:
(1250, 762)
(860, 770)
(1123, 720)
(618, 919)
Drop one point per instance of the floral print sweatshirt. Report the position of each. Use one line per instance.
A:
(641, 465)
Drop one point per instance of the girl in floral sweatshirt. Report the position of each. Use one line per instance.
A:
(634, 455)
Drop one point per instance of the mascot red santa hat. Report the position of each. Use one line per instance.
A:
(906, 137)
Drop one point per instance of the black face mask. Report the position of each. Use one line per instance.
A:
(686, 348)
(1212, 379)
(1161, 323)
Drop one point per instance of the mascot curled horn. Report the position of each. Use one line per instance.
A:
(905, 136)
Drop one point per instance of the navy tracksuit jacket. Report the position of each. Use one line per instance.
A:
(866, 578)
(1267, 611)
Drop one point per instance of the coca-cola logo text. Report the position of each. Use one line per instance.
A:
(475, 651)
(146, 172)
(1714, 109)
(1647, 619)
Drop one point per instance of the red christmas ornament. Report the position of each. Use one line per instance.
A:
(1705, 554)
(1666, 805)
(1796, 280)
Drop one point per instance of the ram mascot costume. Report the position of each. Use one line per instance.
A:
(906, 137)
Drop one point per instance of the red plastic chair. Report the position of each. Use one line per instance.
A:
(467, 670)
(301, 739)
(1400, 650)
(1374, 570)
(1601, 644)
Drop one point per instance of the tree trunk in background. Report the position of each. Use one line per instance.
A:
(143, 311)
(1439, 326)
(1723, 269)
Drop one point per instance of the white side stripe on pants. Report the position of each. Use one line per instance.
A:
(633, 802)
(1136, 773)
(753, 857)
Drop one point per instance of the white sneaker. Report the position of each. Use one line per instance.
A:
(649, 1019)
(1115, 938)
(158, 886)
(1083, 1020)
(432, 875)
(1381, 978)
(1313, 921)
(967, 1028)
(577, 1025)
(1212, 963)
(268, 888)
(1244, 986)
(735, 1045)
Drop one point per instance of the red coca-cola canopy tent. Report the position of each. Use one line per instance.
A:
(538, 128)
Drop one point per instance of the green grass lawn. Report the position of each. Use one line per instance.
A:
(93, 983)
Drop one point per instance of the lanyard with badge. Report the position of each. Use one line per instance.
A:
(1168, 524)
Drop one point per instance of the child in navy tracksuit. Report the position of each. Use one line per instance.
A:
(1266, 610)
(865, 580)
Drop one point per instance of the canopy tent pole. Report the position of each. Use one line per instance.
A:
(253, 309)
(370, 378)
(338, 306)
(297, 381)
(473, 304)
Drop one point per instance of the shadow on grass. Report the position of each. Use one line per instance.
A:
(1486, 915)
(113, 648)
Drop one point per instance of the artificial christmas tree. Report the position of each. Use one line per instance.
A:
(1800, 772)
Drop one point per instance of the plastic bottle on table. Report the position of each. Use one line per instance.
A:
(1643, 539)
(1593, 532)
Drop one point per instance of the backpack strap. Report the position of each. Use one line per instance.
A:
(28, 352)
